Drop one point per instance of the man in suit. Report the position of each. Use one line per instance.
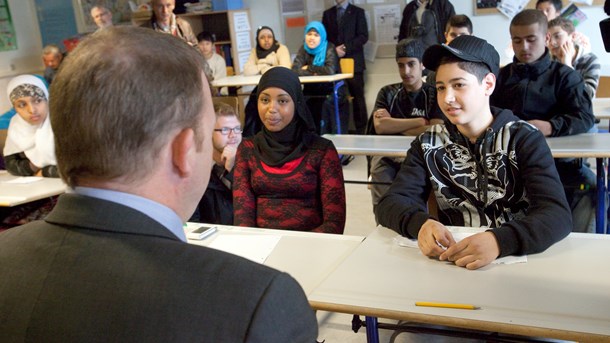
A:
(346, 28)
(133, 118)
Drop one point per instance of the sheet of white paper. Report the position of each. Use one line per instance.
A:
(241, 22)
(460, 233)
(253, 247)
(25, 179)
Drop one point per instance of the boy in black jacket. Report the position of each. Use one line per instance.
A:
(552, 97)
(485, 166)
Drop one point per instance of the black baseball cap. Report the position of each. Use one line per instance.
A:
(467, 48)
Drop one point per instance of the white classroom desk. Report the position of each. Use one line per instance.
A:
(562, 293)
(242, 80)
(12, 194)
(308, 256)
(583, 145)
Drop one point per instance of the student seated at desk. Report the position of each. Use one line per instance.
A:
(286, 176)
(267, 54)
(217, 64)
(216, 205)
(29, 148)
(565, 50)
(318, 56)
(485, 167)
(404, 108)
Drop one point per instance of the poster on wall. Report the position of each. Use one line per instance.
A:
(8, 39)
(387, 23)
(121, 12)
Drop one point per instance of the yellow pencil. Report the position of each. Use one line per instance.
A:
(446, 305)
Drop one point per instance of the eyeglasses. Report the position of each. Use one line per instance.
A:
(225, 130)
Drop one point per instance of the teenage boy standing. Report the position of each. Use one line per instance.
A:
(552, 97)
(485, 166)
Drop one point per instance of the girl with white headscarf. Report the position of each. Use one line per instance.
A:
(29, 148)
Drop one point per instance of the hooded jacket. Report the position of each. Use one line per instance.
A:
(506, 181)
(545, 90)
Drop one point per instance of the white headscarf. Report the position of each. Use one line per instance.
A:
(36, 141)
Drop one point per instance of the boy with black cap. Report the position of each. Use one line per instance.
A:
(485, 166)
(404, 108)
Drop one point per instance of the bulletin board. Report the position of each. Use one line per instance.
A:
(482, 7)
(8, 39)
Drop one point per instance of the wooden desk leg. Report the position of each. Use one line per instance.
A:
(372, 333)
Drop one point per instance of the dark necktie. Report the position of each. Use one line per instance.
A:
(340, 13)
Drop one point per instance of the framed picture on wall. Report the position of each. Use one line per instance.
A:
(121, 13)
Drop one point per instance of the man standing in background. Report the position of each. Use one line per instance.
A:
(101, 16)
(346, 27)
(164, 20)
(51, 57)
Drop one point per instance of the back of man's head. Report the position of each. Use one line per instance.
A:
(411, 48)
(116, 100)
(459, 21)
(563, 23)
(530, 17)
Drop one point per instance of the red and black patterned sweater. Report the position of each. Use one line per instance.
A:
(306, 194)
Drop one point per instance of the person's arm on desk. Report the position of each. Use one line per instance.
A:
(386, 125)
(404, 206)
(473, 252)
(574, 106)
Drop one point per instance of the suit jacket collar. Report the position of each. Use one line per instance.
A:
(85, 212)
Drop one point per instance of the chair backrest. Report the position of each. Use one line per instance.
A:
(347, 65)
(230, 71)
(603, 89)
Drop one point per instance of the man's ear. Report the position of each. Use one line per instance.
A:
(489, 81)
(183, 144)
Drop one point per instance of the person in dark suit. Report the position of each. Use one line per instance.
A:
(133, 119)
(347, 30)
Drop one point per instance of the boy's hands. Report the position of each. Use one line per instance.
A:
(431, 234)
(473, 252)
(566, 53)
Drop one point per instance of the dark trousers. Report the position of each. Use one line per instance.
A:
(580, 185)
(356, 89)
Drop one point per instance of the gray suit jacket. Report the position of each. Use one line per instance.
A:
(97, 271)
